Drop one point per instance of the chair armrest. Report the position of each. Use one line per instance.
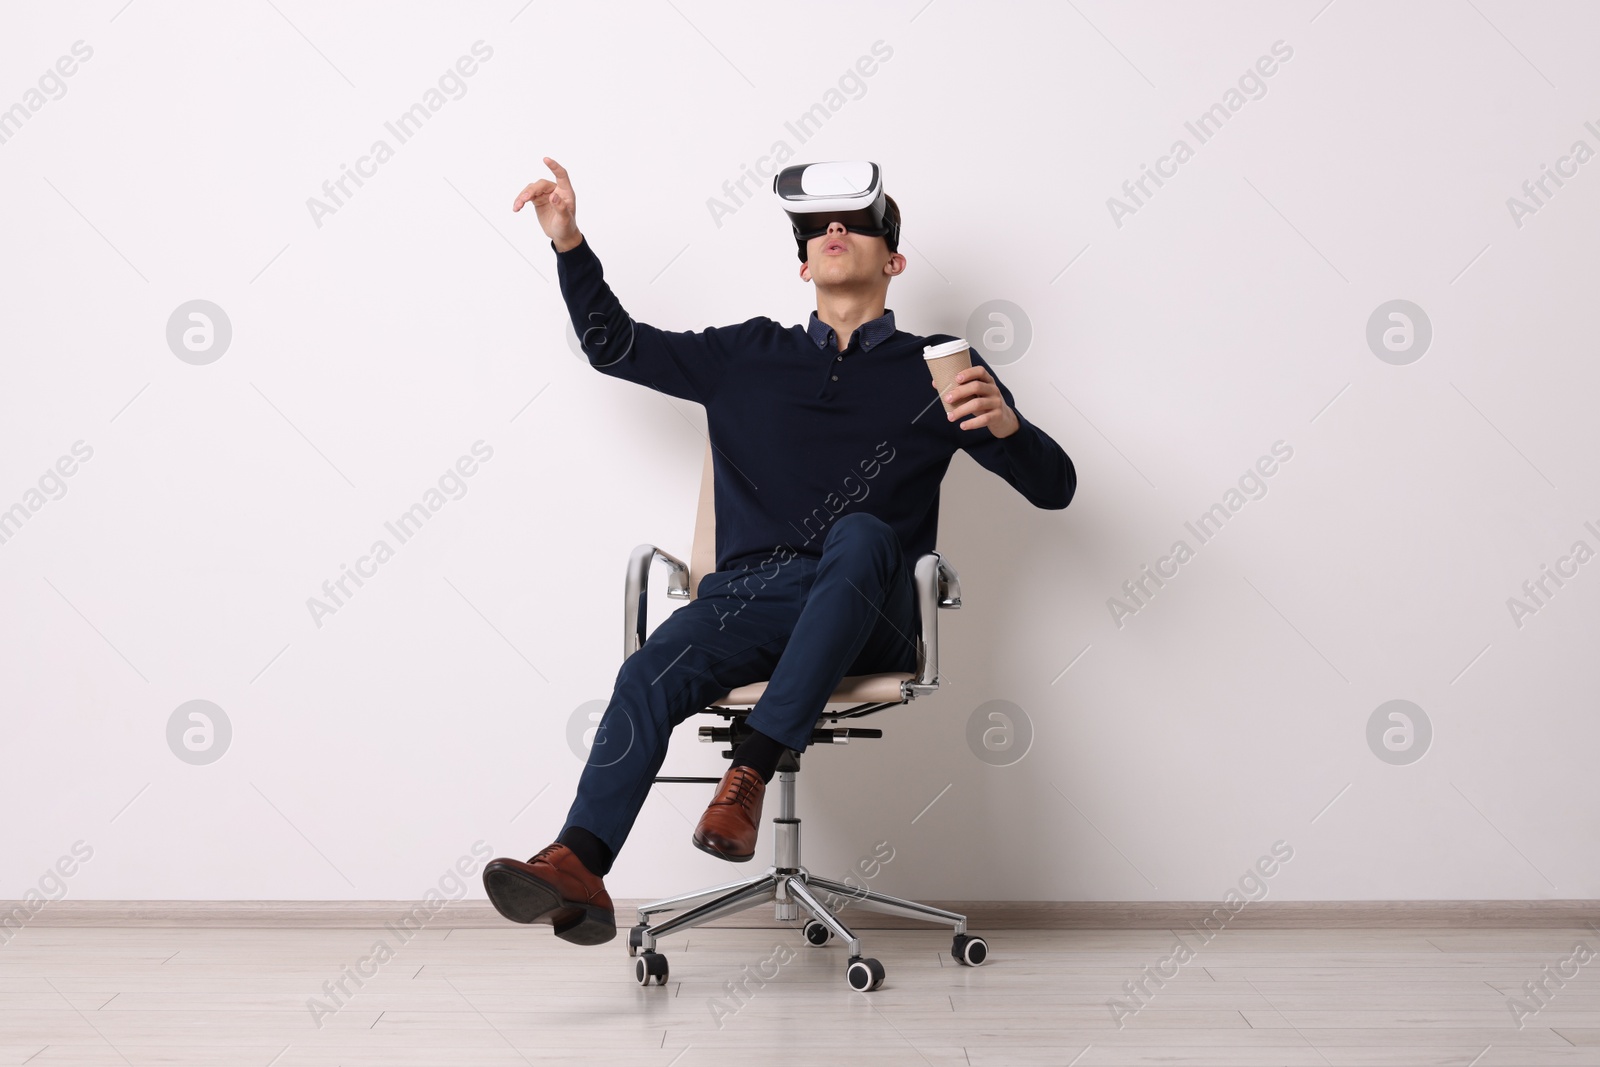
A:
(938, 586)
(636, 592)
(949, 584)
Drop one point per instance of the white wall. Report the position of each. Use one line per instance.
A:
(1228, 312)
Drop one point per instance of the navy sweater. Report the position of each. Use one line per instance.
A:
(801, 432)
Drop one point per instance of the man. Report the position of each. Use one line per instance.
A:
(829, 445)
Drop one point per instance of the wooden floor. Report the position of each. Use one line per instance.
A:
(517, 996)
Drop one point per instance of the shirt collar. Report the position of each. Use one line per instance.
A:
(871, 333)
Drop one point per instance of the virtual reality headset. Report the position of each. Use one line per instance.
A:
(815, 195)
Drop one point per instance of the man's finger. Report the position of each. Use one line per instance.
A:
(533, 192)
(969, 389)
(970, 407)
(562, 181)
(977, 407)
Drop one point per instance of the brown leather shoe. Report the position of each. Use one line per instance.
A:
(553, 887)
(730, 825)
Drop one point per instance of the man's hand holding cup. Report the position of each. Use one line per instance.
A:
(967, 390)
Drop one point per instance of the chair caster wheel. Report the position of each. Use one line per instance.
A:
(650, 968)
(636, 939)
(816, 933)
(864, 974)
(969, 951)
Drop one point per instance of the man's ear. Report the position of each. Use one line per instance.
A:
(805, 267)
(896, 264)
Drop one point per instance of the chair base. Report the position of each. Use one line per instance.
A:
(790, 888)
(790, 891)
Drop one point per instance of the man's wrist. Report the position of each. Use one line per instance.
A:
(567, 246)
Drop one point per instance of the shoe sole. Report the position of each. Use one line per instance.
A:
(522, 898)
(705, 846)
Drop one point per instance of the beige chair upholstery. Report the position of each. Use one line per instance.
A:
(852, 689)
(703, 553)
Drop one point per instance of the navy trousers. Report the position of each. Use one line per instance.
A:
(804, 624)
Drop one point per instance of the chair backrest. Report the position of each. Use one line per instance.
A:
(703, 552)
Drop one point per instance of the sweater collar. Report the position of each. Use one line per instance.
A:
(871, 333)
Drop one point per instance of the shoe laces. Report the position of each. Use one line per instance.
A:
(744, 788)
(545, 852)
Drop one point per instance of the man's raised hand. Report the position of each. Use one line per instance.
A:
(556, 206)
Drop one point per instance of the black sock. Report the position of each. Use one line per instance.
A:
(592, 852)
(760, 752)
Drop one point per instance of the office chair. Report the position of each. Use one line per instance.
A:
(787, 884)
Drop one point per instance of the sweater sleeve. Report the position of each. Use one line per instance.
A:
(683, 364)
(1029, 459)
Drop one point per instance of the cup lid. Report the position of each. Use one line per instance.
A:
(948, 348)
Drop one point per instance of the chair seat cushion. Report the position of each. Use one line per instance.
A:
(852, 689)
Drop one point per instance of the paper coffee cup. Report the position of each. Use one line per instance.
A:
(945, 361)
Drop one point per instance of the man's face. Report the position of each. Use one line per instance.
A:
(842, 258)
